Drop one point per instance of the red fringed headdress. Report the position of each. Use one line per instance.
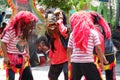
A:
(103, 24)
(81, 23)
(105, 27)
(26, 16)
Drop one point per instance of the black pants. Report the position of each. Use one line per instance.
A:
(89, 70)
(55, 71)
(111, 73)
(27, 74)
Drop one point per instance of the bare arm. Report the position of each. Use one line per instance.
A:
(69, 52)
(101, 55)
(4, 49)
(27, 51)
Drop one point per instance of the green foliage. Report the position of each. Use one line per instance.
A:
(63, 4)
(117, 13)
(103, 9)
(2, 2)
(3, 5)
(40, 29)
(93, 8)
(79, 5)
(106, 12)
(35, 10)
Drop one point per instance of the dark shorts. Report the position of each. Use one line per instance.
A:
(89, 70)
(110, 58)
(55, 71)
(26, 75)
(110, 74)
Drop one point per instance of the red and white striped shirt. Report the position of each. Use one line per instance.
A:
(11, 40)
(79, 56)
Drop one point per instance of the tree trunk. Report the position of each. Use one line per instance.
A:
(117, 13)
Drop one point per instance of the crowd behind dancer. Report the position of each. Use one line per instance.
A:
(2, 15)
(81, 44)
(15, 45)
(32, 49)
(42, 50)
(2, 27)
(57, 32)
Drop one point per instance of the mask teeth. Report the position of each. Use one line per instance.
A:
(52, 27)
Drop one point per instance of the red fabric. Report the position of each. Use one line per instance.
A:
(81, 23)
(112, 65)
(24, 2)
(62, 28)
(7, 76)
(42, 61)
(1, 53)
(105, 27)
(60, 54)
(103, 24)
(14, 60)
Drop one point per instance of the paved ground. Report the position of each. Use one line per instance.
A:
(40, 73)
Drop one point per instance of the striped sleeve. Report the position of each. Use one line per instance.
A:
(6, 37)
(70, 41)
(96, 38)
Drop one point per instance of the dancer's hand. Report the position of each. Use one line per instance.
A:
(101, 66)
(6, 60)
(60, 15)
(105, 60)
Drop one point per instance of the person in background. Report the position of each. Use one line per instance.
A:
(1, 17)
(56, 32)
(82, 41)
(2, 27)
(42, 50)
(14, 44)
(116, 38)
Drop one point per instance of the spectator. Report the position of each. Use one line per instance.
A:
(116, 37)
(116, 33)
(42, 50)
(32, 49)
(1, 17)
(2, 27)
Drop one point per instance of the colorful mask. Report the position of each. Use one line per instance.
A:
(51, 21)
